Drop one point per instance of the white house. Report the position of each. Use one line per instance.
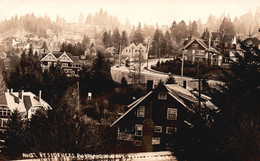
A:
(26, 103)
(69, 63)
(134, 51)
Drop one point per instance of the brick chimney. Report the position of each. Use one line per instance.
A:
(149, 85)
(185, 84)
(20, 95)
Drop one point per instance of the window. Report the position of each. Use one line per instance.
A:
(138, 143)
(172, 113)
(162, 96)
(226, 45)
(141, 111)
(64, 65)
(3, 122)
(195, 45)
(158, 129)
(138, 130)
(170, 130)
(156, 140)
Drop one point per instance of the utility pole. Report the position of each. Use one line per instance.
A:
(120, 52)
(182, 64)
(199, 79)
(78, 94)
(147, 50)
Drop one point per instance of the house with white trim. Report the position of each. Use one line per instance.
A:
(68, 62)
(27, 103)
(152, 122)
(135, 51)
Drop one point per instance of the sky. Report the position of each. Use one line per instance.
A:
(164, 12)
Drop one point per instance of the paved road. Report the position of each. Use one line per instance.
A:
(149, 74)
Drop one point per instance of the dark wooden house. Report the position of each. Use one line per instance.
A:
(152, 121)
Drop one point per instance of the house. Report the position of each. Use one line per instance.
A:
(68, 62)
(26, 103)
(152, 122)
(252, 41)
(135, 51)
(196, 49)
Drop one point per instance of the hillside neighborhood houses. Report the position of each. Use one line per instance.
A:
(152, 122)
(68, 62)
(135, 52)
(27, 103)
(213, 48)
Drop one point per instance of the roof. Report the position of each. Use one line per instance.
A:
(12, 101)
(3, 99)
(133, 106)
(254, 40)
(200, 41)
(228, 38)
(177, 92)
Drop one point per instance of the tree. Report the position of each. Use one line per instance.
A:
(138, 35)
(157, 43)
(227, 26)
(14, 142)
(116, 39)
(26, 75)
(193, 29)
(124, 39)
(238, 100)
(86, 41)
(44, 47)
(107, 39)
(181, 31)
(172, 29)
(55, 84)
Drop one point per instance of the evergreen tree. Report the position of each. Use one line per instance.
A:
(227, 26)
(86, 41)
(124, 39)
(14, 142)
(172, 29)
(44, 47)
(238, 100)
(138, 36)
(107, 39)
(193, 29)
(116, 39)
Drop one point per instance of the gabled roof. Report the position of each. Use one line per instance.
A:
(254, 40)
(200, 41)
(178, 93)
(44, 56)
(12, 101)
(133, 106)
(228, 38)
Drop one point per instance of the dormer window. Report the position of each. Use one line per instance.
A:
(141, 111)
(162, 96)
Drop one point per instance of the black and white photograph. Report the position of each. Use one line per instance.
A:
(129, 80)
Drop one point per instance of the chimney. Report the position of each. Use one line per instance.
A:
(20, 95)
(40, 95)
(149, 85)
(185, 84)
